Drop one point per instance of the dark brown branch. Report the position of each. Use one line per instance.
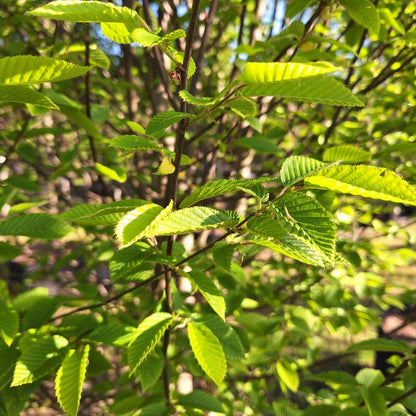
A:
(203, 47)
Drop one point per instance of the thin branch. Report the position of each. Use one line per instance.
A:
(203, 47)
(88, 89)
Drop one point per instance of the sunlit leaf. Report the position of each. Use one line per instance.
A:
(70, 378)
(367, 181)
(146, 337)
(43, 225)
(209, 291)
(208, 351)
(27, 70)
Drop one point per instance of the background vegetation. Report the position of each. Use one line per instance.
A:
(206, 207)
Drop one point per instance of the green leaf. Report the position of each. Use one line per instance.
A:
(161, 121)
(296, 168)
(366, 181)
(166, 167)
(208, 351)
(26, 70)
(9, 322)
(150, 370)
(126, 263)
(189, 220)
(364, 12)
(112, 334)
(302, 229)
(99, 59)
(243, 106)
(86, 12)
(25, 300)
(295, 30)
(145, 38)
(118, 32)
(70, 378)
(199, 399)
(335, 377)
(8, 360)
(223, 255)
(271, 72)
(260, 144)
(294, 7)
(154, 409)
(8, 251)
(375, 401)
(134, 222)
(115, 173)
(220, 187)
(24, 206)
(135, 142)
(81, 120)
(288, 376)
(101, 214)
(24, 95)
(318, 89)
(209, 291)
(228, 337)
(36, 359)
(381, 344)
(189, 98)
(44, 226)
(146, 337)
(346, 153)
(369, 377)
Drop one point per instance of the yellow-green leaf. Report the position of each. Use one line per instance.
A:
(70, 378)
(208, 351)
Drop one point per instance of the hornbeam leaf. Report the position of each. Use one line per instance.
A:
(36, 357)
(208, 351)
(115, 173)
(35, 225)
(295, 30)
(209, 291)
(296, 168)
(318, 89)
(146, 337)
(367, 181)
(70, 378)
(189, 220)
(268, 72)
(243, 106)
(118, 32)
(101, 214)
(27, 70)
(25, 95)
(86, 12)
(161, 121)
(144, 37)
(364, 12)
(302, 229)
(134, 222)
(130, 141)
(9, 322)
(228, 337)
(200, 399)
(223, 255)
(381, 344)
(166, 167)
(346, 153)
(8, 251)
(219, 187)
(189, 98)
(260, 144)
